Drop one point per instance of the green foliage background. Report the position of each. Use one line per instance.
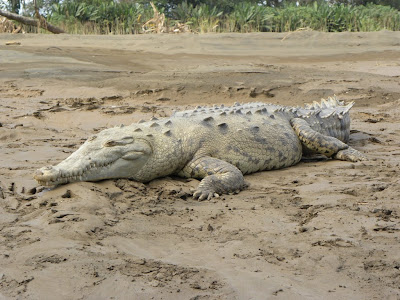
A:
(127, 17)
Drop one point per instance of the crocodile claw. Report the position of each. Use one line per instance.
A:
(204, 195)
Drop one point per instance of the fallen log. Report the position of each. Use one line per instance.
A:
(41, 22)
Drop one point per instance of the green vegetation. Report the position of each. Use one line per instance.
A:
(103, 17)
(335, 18)
(127, 17)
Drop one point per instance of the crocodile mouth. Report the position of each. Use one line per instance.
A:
(52, 176)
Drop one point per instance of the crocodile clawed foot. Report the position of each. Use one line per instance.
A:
(204, 195)
(350, 154)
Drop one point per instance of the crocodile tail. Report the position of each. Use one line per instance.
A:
(330, 107)
(333, 117)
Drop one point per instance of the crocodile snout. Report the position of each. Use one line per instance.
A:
(46, 175)
(38, 173)
(47, 171)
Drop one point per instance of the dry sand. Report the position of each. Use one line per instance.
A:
(319, 230)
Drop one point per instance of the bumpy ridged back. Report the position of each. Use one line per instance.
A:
(329, 117)
(325, 108)
(331, 106)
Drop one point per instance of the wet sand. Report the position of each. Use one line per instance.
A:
(318, 230)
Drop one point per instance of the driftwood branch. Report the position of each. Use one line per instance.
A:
(157, 21)
(9, 27)
(41, 22)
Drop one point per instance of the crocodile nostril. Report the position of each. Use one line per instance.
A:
(39, 173)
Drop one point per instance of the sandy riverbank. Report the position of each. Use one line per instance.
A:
(319, 230)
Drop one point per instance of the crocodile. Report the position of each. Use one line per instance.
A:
(217, 145)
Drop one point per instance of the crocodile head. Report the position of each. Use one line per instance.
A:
(113, 153)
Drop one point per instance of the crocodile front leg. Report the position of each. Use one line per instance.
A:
(218, 177)
(323, 144)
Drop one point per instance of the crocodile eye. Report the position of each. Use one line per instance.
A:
(121, 142)
(110, 144)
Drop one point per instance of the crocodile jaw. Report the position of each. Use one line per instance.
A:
(56, 175)
(111, 154)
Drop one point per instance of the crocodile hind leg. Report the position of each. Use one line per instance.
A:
(323, 144)
(218, 177)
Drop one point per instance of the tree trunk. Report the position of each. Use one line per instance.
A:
(41, 22)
